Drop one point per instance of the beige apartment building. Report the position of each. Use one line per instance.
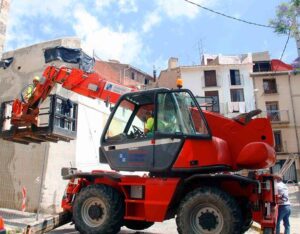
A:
(277, 94)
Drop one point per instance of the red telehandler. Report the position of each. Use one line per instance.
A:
(191, 160)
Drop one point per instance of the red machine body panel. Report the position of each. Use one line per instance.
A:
(152, 206)
(255, 137)
(205, 152)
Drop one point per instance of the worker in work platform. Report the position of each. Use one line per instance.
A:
(284, 209)
(149, 125)
(30, 88)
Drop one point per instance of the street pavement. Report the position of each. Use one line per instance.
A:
(169, 226)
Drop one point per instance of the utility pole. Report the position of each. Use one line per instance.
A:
(200, 49)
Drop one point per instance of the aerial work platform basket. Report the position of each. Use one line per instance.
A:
(57, 121)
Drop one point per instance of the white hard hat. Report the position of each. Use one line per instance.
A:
(36, 78)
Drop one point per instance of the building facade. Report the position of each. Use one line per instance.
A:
(224, 78)
(278, 96)
(127, 73)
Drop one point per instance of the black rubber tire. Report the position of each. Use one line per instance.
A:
(102, 201)
(247, 217)
(137, 225)
(209, 210)
(247, 224)
(268, 231)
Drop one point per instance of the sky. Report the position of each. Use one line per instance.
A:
(146, 33)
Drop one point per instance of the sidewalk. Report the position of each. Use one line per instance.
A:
(21, 222)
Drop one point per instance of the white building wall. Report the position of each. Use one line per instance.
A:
(92, 117)
(192, 80)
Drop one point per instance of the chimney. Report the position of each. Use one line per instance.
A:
(4, 10)
(173, 63)
(154, 74)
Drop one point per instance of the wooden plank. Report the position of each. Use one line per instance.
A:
(33, 140)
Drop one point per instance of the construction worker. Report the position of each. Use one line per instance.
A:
(284, 208)
(30, 89)
(149, 125)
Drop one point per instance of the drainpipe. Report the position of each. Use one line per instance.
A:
(293, 111)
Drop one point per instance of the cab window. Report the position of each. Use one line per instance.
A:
(119, 121)
(178, 113)
(140, 120)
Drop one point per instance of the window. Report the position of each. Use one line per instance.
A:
(272, 111)
(262, 66)
(215, 96)
(210, 78)
(177, 113)
(146, 81)
(235, 78)
(119, 121)
(278, 141)
(132, 75)
(269, 86)
(237, 95)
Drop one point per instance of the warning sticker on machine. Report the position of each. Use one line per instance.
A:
(116, 88)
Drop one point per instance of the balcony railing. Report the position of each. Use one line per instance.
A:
(270, 91)
(277, 116)
(281, 148)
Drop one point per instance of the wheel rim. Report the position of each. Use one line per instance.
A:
(93, 212)
(207, 219)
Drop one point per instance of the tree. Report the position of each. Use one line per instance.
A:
(286, 21)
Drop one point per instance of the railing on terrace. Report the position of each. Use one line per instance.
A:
(277, 116)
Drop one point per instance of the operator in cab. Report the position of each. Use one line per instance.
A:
(149, 124)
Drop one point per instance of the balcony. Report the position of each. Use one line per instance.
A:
(270, 91)
(277, 116)
(281, 148)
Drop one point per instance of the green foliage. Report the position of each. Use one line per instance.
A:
(286, 18)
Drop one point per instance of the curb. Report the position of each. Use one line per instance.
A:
(40, 226)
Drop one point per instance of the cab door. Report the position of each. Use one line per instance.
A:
(168, 137)
(178, 118)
